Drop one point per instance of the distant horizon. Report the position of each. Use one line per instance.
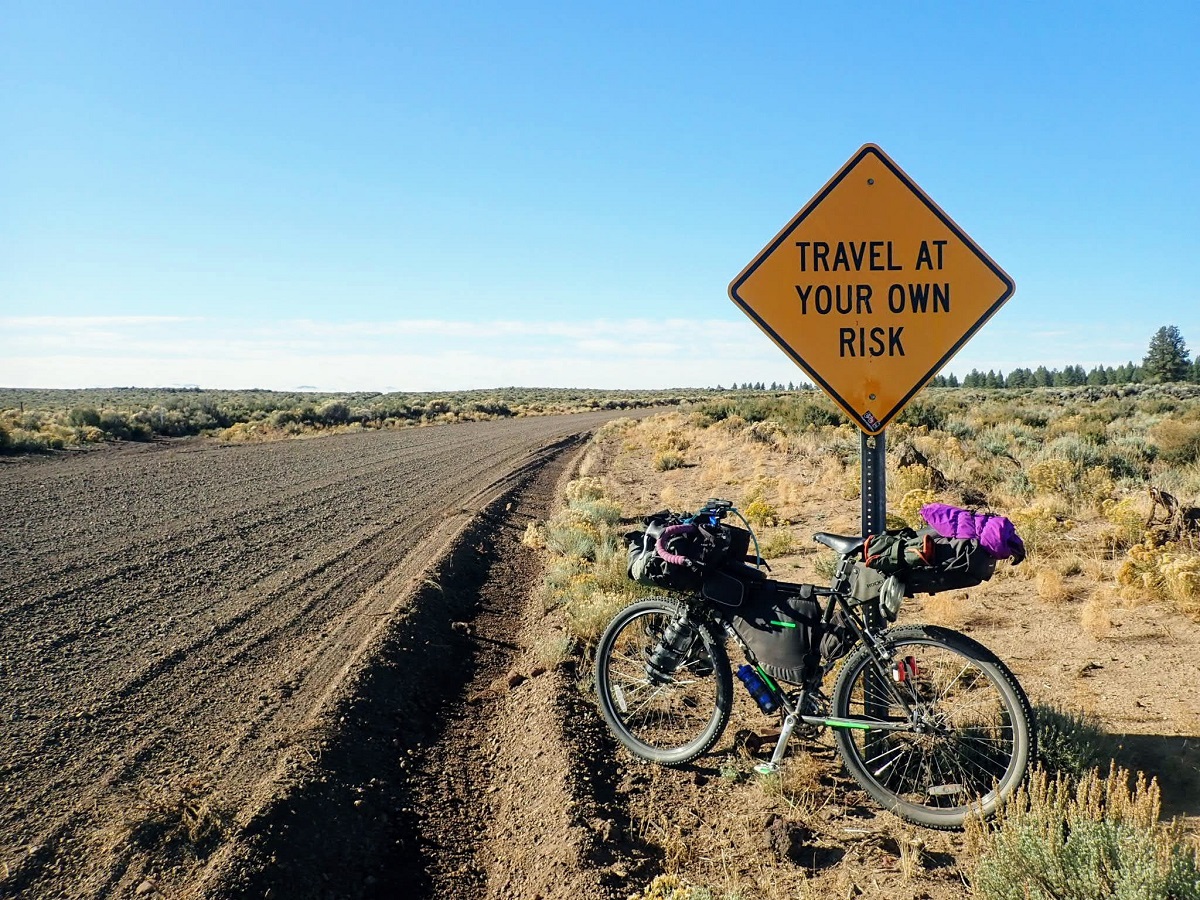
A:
(67, 352)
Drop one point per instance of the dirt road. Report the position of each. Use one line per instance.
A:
(184, 632)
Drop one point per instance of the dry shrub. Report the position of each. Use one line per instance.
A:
(733, 424)
(1162, 571)
(770, 433)
(777, 543)
(760, 512)
(666, 460)
(1181, 580)
(670, 887)
(1070, 741)
(1095, 617)
(1052, 476)
(534, 537)
(1178, 441)
(851, 485)
(1126, 524)
(585, 489)
(1041, 528)
(590, 612)
(912, 478)
(672, 439)
(1051, 587)
(948, 609)
(1070, 565)
(1084, 840)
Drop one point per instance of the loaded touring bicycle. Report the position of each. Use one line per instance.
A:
(930, 723)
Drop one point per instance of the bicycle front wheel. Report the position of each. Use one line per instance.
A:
(969, 738)
(667, 719)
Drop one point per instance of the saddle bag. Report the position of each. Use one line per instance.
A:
(957, 563)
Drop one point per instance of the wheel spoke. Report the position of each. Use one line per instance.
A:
(969, 729)
(673, 717)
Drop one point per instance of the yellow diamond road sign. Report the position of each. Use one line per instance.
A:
(871, 288)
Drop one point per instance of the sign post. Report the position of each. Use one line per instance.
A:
(871, 289)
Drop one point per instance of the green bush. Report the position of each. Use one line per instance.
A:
(665, 460)
(926, 414)
(83, 415)
(1089, 840)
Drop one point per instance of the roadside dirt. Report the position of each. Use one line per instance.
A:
(229, 671)
(815, 833)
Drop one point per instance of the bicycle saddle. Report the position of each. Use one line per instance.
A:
(843, 544)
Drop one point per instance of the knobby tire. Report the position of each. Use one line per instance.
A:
(669, 723)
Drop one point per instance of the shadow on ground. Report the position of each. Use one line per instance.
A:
(1174, 760)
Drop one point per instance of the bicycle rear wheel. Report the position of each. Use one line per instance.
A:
(667, 719)
(972, 736)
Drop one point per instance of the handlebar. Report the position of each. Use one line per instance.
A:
(715, 509)
(661, 546)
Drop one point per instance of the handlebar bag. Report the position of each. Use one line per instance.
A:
(706, 547)
(645, 566)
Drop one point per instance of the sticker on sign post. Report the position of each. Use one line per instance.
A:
(871, 289)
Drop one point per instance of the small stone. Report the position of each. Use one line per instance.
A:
(514, 679)
(144, 888)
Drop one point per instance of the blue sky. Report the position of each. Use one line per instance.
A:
(445, 196)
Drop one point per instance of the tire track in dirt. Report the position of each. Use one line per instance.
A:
(467, 765)
(203, 694)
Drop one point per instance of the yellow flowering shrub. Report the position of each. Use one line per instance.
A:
(1040, 529)
(1052, 476)
(912, 478)
(1162, 571)
(910, 506)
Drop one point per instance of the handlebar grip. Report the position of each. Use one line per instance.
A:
(667, 533)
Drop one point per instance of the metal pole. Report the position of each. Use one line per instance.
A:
(873, 451)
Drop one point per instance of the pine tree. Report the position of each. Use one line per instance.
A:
(1167, 357)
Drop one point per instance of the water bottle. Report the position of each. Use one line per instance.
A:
(758, 689)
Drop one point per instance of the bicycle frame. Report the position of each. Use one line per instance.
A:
(864, 622)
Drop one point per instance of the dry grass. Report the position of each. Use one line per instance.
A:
(1051, 586)
(949, 609)
(1095, 616)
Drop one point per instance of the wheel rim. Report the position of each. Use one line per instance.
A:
(663, 716)
(966, 749)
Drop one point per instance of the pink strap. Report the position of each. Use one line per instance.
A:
(667, 533)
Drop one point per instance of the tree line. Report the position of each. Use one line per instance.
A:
(1167, 360)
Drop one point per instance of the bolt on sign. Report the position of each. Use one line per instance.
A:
(871, 288)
